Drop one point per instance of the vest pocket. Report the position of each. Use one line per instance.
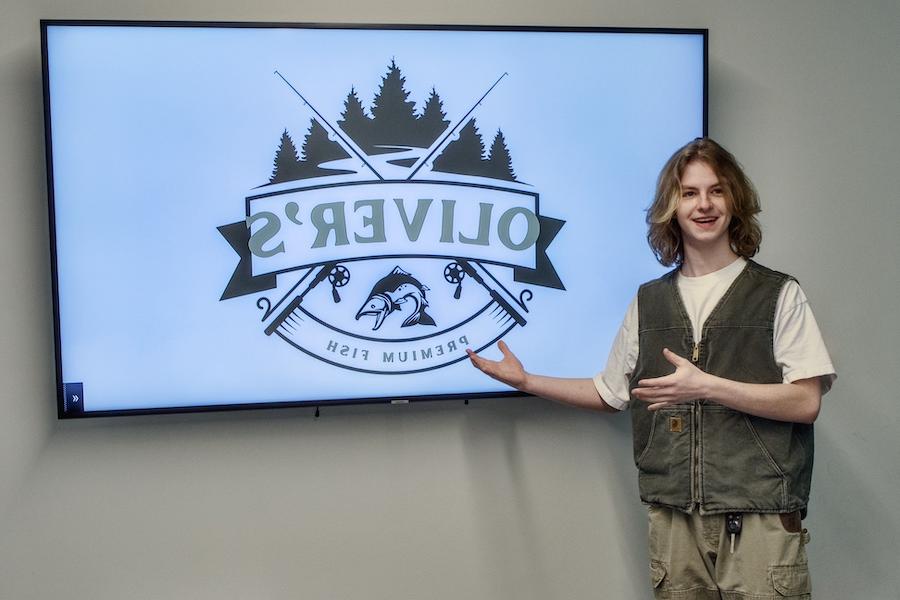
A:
(664, 464)
(762, 447)
(738, 471)
(641, 452)
(668, 443)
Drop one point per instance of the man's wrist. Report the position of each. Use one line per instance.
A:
(527, 385)
(711, 387)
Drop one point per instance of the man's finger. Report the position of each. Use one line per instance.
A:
(655, 382)
(673, 358)
(650, 394)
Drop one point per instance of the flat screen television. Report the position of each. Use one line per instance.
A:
(255, 214)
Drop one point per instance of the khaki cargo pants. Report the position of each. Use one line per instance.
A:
(691, 558)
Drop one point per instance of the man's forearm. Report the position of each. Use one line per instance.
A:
(797, 402)
(573, 392)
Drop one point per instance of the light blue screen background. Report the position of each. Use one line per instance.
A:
(158, 134)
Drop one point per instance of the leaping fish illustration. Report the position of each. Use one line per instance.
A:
(392, 290)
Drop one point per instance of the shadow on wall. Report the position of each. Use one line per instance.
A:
(27, 372)
(556, 498)
(852, 522)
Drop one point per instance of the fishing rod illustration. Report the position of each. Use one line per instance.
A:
(441, 141)
(454, 276)
(338, 275)
(348, 144)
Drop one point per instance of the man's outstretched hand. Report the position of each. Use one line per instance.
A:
(685, 384)
(509, 370)
(579, 392)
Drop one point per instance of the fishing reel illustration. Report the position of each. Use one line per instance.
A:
(454, 273)
(338, 277)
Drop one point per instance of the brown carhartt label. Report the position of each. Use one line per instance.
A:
(676, 424)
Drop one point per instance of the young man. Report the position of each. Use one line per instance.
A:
(723, 367)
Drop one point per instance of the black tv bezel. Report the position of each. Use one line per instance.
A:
(45, 23)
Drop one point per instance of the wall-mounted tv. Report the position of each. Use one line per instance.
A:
(256, 214)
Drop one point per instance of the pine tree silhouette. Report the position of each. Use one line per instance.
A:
(355, 122)
(286, 165)
(394, 122)
(394, 119)
(318, 149)
(499, 162)
(432, 122)
(464, 155)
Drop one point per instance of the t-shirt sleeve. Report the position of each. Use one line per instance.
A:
(612, 382)
(799, 348)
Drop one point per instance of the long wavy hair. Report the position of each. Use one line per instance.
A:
(663, 232)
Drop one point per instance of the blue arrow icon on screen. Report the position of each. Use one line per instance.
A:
(74, 395)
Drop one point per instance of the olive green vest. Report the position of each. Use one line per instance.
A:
(701, 454)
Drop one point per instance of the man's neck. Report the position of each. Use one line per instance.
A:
(703, 261)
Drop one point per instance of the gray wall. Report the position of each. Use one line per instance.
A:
(501, 499)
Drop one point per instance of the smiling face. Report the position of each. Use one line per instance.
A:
(704, 211)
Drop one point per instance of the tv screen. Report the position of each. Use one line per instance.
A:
(248, 215)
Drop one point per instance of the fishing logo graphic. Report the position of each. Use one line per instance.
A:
(397, 241)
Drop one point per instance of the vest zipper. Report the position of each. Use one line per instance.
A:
(698, 449)
(695, 493)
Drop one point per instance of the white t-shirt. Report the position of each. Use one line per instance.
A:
(799, 348)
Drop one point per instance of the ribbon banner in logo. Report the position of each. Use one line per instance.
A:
(299, 228)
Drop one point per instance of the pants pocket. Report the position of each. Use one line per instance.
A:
(657, 574)
(791, 581)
